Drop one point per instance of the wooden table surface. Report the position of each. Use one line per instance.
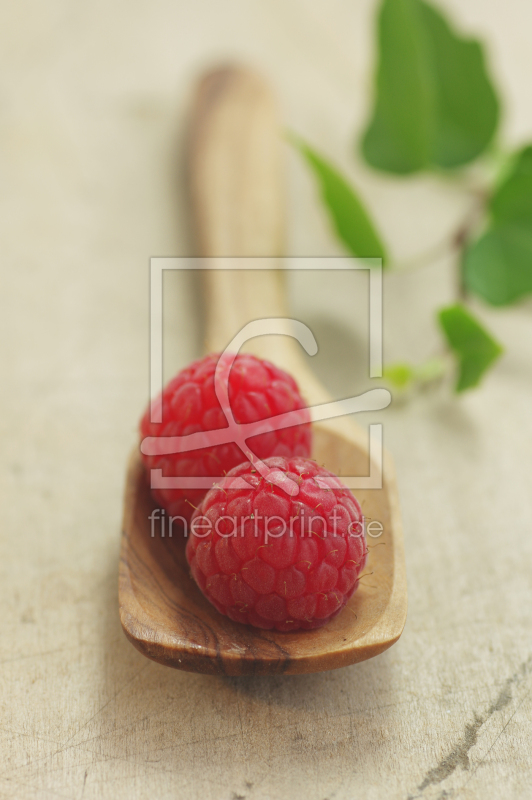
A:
(93, 98)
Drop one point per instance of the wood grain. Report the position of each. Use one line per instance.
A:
(236, 195)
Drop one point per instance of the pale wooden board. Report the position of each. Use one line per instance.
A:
(92, 100)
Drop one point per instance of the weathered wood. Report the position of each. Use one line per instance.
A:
(91, 103)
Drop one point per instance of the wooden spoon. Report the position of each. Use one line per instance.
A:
(236, 202)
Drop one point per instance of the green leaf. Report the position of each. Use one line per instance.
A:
(472, 345)
(347, 212)
(399, 135)
(498, 266)
(399, 375)
(466, 107)
(435, 106)
(512, 202)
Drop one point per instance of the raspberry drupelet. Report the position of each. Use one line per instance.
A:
(257, 390)
(276, 560)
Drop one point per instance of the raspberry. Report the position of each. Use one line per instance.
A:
(257, 390)
(268, 559)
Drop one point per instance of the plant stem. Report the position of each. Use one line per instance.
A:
(456, 242)
(461, 239)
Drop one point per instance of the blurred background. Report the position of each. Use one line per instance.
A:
(93, 106)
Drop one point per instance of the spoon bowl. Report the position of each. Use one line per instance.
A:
(167, 618)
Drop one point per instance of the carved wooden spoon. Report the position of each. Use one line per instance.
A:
(237, 209)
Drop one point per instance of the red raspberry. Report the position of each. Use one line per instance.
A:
(268, 559)
(257, 390)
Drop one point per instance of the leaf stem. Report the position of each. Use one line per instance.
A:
(457, 241)
(423, 259)
(461, 239)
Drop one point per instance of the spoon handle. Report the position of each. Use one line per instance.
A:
(235, 178)
(237, 207)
